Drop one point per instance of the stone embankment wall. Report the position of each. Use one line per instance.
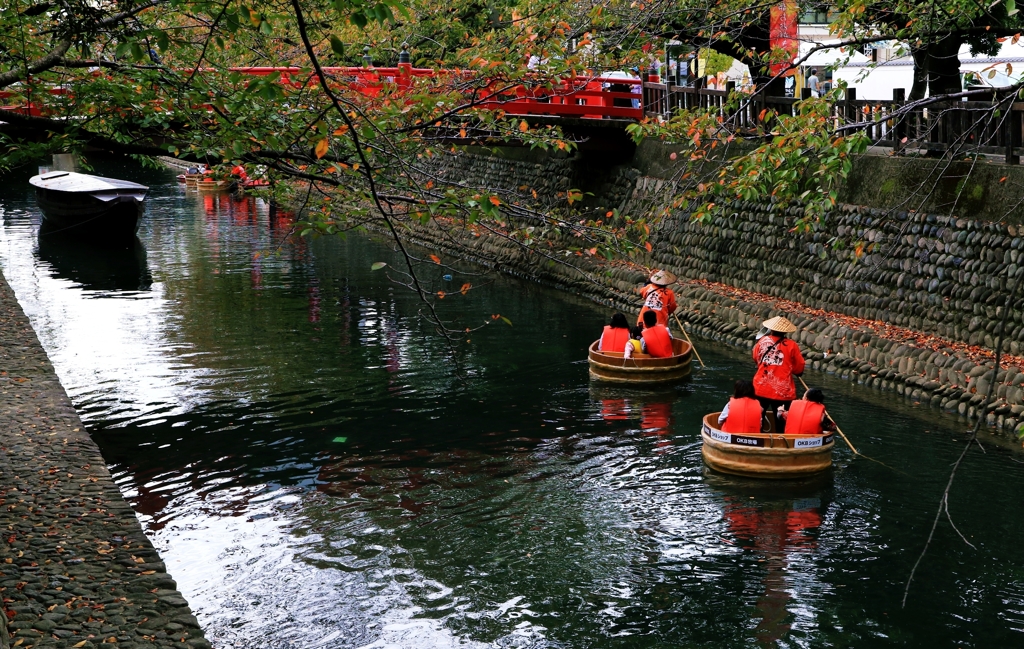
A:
(915, 312)
(76, 569)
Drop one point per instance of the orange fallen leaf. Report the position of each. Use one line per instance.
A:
(441, 294)
(321, 148)
(495, 201)
(465, 288)
(435, 259)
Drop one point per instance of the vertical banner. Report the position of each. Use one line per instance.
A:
(782, 36)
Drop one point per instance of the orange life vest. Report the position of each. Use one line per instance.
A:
(659, 343)
(744, 416)
(614, 339)
(803, 417)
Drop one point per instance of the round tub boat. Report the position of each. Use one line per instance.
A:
(641, 369)
(765, 455)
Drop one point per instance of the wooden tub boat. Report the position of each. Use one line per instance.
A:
(765, 455)
(208, 184)
(641, 369)
(90, 206)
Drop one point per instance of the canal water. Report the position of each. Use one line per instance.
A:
(292, 437)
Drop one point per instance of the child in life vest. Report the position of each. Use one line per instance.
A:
(807, 416)
(635, 344)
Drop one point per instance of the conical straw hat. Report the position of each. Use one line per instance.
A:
(662, 278)
(780, 324)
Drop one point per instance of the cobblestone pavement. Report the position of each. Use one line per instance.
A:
(76, 569)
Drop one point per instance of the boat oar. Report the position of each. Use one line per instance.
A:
(847, 439)
(681, 328)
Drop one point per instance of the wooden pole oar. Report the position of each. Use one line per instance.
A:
(838, 430)
(681, 328)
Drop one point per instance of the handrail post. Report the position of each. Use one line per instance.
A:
(899, 128)
(404, 78)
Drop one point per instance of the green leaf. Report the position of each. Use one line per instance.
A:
(506, 321)
(378, 265)
(337, 45)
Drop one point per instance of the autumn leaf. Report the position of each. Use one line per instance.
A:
(441, 294)
(495, 201)
(647, 245)
(462, 133)
(435, 259)
(523, 126)
(341, 130)
(495, 316)
(465, 288)
(321, 148)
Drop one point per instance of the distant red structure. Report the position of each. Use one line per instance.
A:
(575, 97)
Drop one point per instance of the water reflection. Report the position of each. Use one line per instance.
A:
(94, 266)
(777, 525)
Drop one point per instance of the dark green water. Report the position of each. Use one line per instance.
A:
(292, 438)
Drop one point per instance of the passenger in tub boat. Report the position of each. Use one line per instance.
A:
(658, 297)
(778, 360)
(656, 339)
(807, 416)
(616, 334)
(635, 345)
(743, 413)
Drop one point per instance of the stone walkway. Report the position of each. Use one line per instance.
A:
(76, 569)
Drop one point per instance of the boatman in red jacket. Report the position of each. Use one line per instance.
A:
(658, 297)
(778, 359)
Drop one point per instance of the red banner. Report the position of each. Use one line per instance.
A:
(782, 36)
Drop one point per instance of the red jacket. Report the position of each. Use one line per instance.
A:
(659, 299)
(803, 417)
(658, 342)
(614, 339)
(778, 359)
(744, 416)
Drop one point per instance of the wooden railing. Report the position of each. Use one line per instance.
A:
(956, 127)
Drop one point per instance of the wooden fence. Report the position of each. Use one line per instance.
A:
(982, 125)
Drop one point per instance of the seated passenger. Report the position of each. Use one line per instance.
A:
(743, 413)
(616, 334)
(657, 339)
(635, 344)
(807, 416)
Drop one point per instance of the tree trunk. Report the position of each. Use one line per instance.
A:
(920, 87)
(944, 66)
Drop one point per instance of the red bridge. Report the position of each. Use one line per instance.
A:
(575, 97)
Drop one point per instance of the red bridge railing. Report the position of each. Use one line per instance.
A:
(578, 97)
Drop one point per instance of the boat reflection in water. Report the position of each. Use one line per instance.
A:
(96, 266)
(779, 524)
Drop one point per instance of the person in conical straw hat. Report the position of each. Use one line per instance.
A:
(778, 360)
(658, 297)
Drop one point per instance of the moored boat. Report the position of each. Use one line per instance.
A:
(641, 369)
(82, 204)
(767, 454)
